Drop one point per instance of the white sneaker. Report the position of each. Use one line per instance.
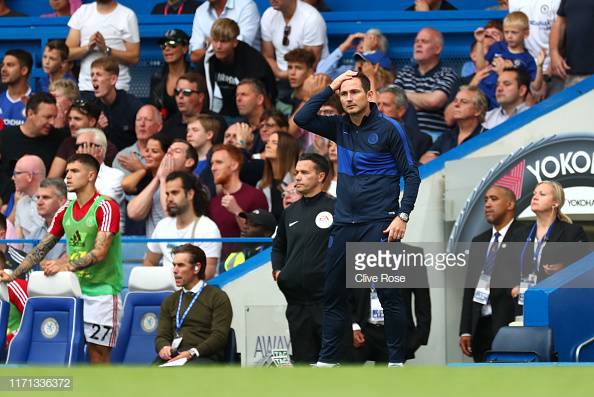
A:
(393, 365)
(320, 364)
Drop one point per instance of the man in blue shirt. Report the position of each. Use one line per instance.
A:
(16, 68)
(373, 154)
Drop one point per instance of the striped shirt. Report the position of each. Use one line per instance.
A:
(440, 78)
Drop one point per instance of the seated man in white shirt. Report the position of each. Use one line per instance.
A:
(109, 180)
(187, 204)
(513, 86)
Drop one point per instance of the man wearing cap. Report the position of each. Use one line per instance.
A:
(257, 223)
(299, 256)
(174, 47)
(372, 40)
(224, 66)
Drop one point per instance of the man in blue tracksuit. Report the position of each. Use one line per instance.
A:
(373, 153)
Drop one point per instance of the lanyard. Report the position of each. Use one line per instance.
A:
(179, 322)
(539, 247)
(179, 9)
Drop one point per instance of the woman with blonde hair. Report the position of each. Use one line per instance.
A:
(281, 153)
(551, 226)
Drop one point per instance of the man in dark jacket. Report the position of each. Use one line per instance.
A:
(195, 321)
(229, 61)
(484, 309)
(374, 154)
(299, 256)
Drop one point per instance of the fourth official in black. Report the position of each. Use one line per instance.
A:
(299, 256)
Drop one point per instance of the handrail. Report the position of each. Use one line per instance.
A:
(581, 346)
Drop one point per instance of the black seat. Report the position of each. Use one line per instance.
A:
(231, 348)
(522, 344)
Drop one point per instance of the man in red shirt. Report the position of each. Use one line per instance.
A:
(235, 197)
(91, 225)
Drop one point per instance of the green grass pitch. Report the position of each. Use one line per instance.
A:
(313, 382)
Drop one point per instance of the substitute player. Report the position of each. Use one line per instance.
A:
(91, 224)
(373, 154)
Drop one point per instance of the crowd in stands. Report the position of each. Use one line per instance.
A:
(215, 142)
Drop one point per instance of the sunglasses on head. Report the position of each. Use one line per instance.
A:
(185, 91)
(286, 34)
(169, 43)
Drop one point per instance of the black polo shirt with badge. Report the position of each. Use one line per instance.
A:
(299, 248)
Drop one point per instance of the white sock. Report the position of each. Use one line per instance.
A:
(321, 364)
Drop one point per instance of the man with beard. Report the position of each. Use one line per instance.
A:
(16, 68)
(186, 208)
(235, 196)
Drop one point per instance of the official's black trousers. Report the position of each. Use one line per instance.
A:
(336, 294)
(305, 328)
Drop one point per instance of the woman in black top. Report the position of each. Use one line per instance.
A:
(174, 46)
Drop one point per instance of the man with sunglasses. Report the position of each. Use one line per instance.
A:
(290, 24)
(174, 47)
(191, 100)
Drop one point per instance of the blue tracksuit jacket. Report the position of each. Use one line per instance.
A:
(371, 159)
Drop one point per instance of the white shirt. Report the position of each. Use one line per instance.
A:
(542, 15)
(496, 116)
(502, 233)
(332, 188)
(308, 28)
(203, 228)
(26, 216)
(117, 27)
(244, 12)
